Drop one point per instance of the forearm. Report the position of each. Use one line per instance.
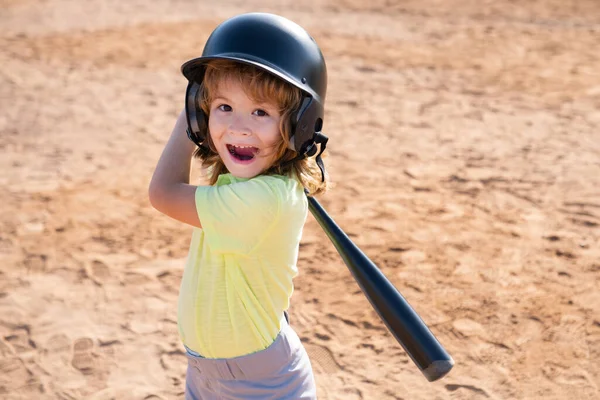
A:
(170, 191)
(174, 164)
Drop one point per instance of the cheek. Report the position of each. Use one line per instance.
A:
(215, 128)
(272, 134)
(212, 121)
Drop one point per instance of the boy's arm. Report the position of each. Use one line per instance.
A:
(170, 191)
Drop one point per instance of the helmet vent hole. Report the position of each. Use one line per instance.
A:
(318, 125)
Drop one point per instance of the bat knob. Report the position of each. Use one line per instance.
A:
(438, 369)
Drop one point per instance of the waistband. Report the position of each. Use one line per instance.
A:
(282, 322)
(263, 363)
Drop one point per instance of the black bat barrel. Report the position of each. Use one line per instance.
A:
(402, 321)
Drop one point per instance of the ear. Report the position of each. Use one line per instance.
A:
(196, 117)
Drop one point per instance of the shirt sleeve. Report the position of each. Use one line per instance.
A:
(236, 217)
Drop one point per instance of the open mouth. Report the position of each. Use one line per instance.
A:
(242, 153)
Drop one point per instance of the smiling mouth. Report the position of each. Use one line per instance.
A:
(242, 153)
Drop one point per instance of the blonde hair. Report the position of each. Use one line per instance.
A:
(261, 86)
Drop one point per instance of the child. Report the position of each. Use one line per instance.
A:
(254, 111)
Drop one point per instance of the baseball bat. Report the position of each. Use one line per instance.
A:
(393, 309)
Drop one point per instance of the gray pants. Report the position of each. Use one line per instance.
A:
(281, 371)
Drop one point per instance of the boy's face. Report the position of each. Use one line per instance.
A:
(244, 132)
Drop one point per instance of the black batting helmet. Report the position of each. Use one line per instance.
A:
(278, 46)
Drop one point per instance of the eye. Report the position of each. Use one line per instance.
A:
(260, 113)
(224, 107)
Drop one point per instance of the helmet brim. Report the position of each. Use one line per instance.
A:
(189, 69)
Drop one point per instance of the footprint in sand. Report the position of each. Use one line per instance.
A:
(468, 327)
(56, 353)
(97, 271)
(83, 359)
(322, 359)
(36, 262)
(100, 270)
(325, 368)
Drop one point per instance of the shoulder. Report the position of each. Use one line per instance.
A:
(289, 195)
(284, 188)
(242, 194)
(276, 182)
(269, 193)
(265, 188)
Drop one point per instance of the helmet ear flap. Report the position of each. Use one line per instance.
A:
(196, 117)
(305, 125)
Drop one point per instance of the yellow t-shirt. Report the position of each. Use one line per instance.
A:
(238, 276)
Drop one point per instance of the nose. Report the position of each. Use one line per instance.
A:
(240, 126)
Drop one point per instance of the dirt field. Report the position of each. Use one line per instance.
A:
(465, 149)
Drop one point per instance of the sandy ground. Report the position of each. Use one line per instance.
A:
(464, 145)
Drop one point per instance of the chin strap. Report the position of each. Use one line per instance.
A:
(322, 140)
(311, 151)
